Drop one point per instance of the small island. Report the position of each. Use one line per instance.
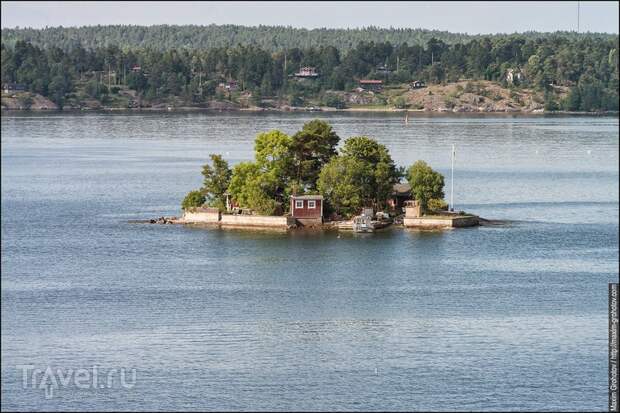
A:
(303, 181)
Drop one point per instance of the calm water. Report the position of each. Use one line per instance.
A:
(509, 318)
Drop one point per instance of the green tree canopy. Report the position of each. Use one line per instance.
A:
(362, 175)
(216, 181)
(193, 199)
(275, 162)
(341, 182)
(312, 147)
(426, 184)
(252, 188)
(378, 184)
(273, 153)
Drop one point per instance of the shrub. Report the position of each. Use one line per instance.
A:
(450, 102)
(193, 199)
(25, 102)
(334, 101)
(437, 204)
(400, 103)
(473, 87)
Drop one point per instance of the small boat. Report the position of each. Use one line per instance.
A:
(380, 224)
(363, 223)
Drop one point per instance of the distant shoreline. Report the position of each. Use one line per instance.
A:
(414, 112)
(464, 96)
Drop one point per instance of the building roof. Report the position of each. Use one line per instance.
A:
(401, 189)
(306, 196)
(371, 81)
(13, 85)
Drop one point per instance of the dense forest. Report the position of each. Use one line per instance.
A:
(588, 65)
(269, 38)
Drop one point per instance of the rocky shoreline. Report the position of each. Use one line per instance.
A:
(467, 97)
(188, 109)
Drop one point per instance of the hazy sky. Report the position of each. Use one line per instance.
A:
(468, 17)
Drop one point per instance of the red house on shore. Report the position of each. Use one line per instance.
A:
(371, 84)
(307, 209)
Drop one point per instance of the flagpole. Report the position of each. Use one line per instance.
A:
(452, 181)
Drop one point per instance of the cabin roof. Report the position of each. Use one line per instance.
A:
(306, 196)
(401, 189)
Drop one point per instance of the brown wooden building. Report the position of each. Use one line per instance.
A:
(400, 194)
(307, 209)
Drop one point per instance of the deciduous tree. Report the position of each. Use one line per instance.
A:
(216, 181)
(426, 183)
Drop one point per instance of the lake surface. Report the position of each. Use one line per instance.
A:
(490, 318)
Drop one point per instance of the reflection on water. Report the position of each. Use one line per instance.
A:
(505, 317)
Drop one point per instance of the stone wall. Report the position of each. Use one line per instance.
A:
(257, 221)
(201, 215)
(412, 209)
(468, 221)
(309, 222)
(441, 222)
(213, 216)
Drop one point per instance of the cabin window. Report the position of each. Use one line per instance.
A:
(311, 204)
(299, 204)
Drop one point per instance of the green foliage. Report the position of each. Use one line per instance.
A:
(193, 199)
(436, 204)
(185, 61)
(341, 183)
(252, 189)
(58, 89)
(450, 102)
(276, 38)
(216, 181)
(573, 101)
(380, 171)
(257, 98)
(274, 159)
(273, 152)
(312, 147)
(400, 103)
(364, 174)
(263, 185)
(426, 183)
(92, 89)
(25, 101)
(550, 102)
(334, 101)
(295, 99)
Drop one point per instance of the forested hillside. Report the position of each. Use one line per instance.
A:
(269, 38)
(585, 65)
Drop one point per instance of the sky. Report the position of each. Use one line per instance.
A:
(463, 17)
